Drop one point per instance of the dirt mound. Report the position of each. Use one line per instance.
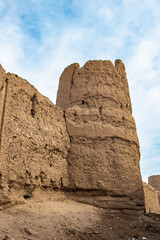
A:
(68, 220)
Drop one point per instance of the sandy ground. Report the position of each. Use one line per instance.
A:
(66, 219)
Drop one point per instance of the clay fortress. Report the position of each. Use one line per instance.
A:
(86, 145)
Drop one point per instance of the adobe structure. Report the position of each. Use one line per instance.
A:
(34, 142)
(104, 153)
(152, 199)
(154, 181)
(85, 146)
(152, 194)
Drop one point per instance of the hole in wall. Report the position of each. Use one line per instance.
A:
(33, 112)
(34, 102)
(27, 195)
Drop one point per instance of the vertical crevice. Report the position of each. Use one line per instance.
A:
(3, 110)
(100, 111)
(72, 83)
(70, 177)
(64, 116)
(34, 102)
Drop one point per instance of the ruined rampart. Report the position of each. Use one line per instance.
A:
(86, 146)
(104, 153)
(34, 142)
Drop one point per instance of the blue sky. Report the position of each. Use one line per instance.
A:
(38, 39)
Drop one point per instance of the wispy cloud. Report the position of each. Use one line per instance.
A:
(38, 39)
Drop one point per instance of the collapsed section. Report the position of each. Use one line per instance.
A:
(33, 137)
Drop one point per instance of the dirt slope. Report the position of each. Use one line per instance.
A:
(48, 218)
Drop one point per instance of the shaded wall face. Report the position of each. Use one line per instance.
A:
(34, 141)
(104, 152)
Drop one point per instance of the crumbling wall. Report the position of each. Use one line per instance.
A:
(152, 199)
(33, 139)
(104, 154)
(96, 133)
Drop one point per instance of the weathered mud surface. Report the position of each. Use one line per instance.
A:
(104, 153)
(34, 142)
(69, 220)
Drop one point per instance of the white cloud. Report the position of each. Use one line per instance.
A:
(89, 30)
(106, 14)
(144, 76)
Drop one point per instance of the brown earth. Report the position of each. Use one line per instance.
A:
(55, 218)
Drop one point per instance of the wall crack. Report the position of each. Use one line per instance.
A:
(3, 110)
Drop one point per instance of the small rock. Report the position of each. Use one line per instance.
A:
(27, 231)
(6, 237)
